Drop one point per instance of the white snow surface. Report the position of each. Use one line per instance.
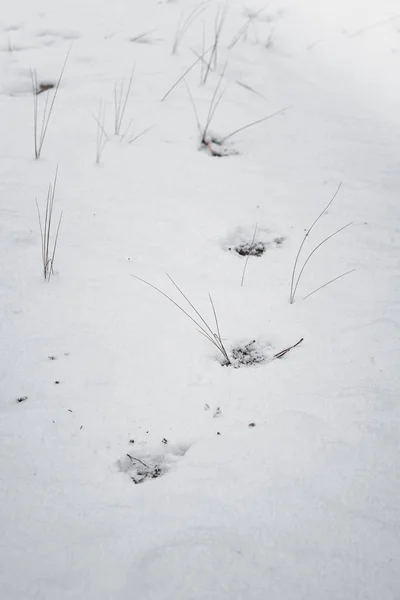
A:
(305, 504)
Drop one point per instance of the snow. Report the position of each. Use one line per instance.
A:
(278, 480)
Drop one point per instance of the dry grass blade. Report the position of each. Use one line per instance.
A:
(253, 123)
(249, 88)
(292, 282)
(248, 256)
(39, 134)
(202, 325)
(313, 252)
(219, 23)
(217, 335)
(191, 305)
(244, 28)
(177, 82)
(203, 62)
(139, 135)
(183, 25)
(196, 114)
(55, 245)
(102, 137)
(328, 283)
(142, 36)
(48, 248)
(212, 336)
(120, 101)
(215, 100)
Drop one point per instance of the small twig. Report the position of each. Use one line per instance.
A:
(286, 350)
(139, 461)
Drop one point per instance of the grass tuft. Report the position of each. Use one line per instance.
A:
(295, 280)
(40, 128)
(46, 225)
(214, 337)
(121, 97)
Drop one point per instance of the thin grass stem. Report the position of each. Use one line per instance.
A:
(313, 252)
(328, 283)
(248, 256)
(292, 284)
(203, 327)
(39, 136)
(177, 82)
(253, 123)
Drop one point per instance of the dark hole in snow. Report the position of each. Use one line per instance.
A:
(251, 249)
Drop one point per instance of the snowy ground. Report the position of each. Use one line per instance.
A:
(279, 481)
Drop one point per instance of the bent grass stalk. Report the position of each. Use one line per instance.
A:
(202, 326)
(295, 280)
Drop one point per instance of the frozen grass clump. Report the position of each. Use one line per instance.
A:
(247, 355)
